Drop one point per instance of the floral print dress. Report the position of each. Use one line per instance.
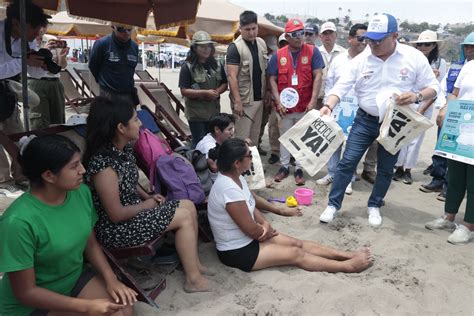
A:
(143, 227)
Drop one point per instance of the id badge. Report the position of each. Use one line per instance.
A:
(294, 80)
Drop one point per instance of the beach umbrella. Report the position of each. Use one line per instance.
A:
(219, 18)
(62, 24)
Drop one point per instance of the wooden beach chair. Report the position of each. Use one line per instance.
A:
(164, 109)
(144, 75)
(88, 82)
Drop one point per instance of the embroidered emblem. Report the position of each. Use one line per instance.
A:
(283, 61)
(304, 60)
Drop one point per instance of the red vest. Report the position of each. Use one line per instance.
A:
(303, 71)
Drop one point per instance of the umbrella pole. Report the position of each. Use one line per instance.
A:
(24, 78)
(159, 68)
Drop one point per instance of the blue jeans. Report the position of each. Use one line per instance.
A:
(334, 161)
(199, 129)
(364, 131)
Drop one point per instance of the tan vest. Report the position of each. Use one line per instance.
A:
(244, 77)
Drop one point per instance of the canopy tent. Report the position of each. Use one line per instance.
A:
(219, 18)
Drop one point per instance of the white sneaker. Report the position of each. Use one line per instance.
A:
(461, 235)
(326, 180)
(349, 189)
(441, 223)
(374, 216)
(328, 215)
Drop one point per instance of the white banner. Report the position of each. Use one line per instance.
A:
(313, 140)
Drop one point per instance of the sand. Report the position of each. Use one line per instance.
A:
(416, 272)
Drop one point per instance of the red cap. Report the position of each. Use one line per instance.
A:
(294, 25)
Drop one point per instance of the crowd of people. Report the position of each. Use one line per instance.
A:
(77, 202)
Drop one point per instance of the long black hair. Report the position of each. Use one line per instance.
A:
(102, 122)
(231, 150)
(434, 54)
(43, 153)
(192, 58)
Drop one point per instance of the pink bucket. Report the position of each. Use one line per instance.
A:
(304, 196)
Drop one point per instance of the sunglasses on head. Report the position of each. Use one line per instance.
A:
(122, 29)
(296, 34)
(424, 44)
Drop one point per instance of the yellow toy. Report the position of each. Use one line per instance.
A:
(291, 201)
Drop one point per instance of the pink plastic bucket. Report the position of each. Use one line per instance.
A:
(304, 196)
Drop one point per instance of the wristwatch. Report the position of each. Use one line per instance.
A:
(419, 97)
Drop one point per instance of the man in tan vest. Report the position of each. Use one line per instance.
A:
(246, 64)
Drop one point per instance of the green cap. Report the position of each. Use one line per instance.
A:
(201, 38)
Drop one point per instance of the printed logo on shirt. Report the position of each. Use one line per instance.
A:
(367, 74)
(132, 58)
(283, 61)
(304, 60)
(113, 57)
(403, 74)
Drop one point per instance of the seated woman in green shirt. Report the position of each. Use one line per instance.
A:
(45, 235)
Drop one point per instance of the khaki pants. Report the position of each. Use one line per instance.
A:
(11, 125)
(274, 133)
(244, 127)
(371, 157)
(50, 110)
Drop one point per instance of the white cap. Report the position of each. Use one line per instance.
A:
(328, 26)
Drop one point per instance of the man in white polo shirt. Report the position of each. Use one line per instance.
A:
(387, 65)
(329, 50)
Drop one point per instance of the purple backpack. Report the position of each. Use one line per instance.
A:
(178, 176)
(148, 148)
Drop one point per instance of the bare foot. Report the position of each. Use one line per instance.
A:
(206, 271)
(360, 262)
(199, 285)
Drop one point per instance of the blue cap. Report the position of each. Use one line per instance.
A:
(469, 40)
(380, 26)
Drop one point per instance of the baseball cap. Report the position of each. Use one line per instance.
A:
(294, 25)
(328, 26)
(380, 26)
(201, 38)
(313, 28)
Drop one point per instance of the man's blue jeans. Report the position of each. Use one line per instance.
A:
(364, 131)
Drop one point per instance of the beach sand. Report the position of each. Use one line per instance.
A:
(416, 272)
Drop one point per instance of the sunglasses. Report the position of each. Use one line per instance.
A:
(296, 34)
(122, 29)
(360, 39)
(424, 44)
(376, 42)
(308, 33)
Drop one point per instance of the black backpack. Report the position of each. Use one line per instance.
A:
(199, 162)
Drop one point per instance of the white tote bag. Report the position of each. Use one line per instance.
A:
(400, 126)
(313, 140)
(255, 176)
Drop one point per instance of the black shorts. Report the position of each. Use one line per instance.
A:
(243, 258)
(84, 278)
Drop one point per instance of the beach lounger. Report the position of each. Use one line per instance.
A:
(88, 82)
(144, 75)
(164, 108)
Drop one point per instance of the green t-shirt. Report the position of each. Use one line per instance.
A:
(50, 239)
